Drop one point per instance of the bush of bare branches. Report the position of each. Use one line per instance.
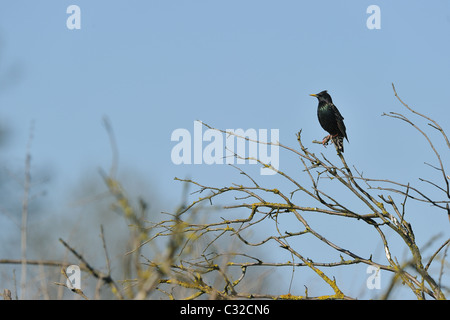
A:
(207, 250)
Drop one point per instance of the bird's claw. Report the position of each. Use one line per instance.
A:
(326, 140)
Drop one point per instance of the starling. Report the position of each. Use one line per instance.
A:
(331, 120)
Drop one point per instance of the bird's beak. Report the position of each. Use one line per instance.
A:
(313, 95)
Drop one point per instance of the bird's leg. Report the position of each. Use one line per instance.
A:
(326, 139)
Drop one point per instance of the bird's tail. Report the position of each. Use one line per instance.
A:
(339, 142)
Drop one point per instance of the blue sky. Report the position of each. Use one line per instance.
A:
(155, 66)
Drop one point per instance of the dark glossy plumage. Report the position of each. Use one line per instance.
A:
(331, 120)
